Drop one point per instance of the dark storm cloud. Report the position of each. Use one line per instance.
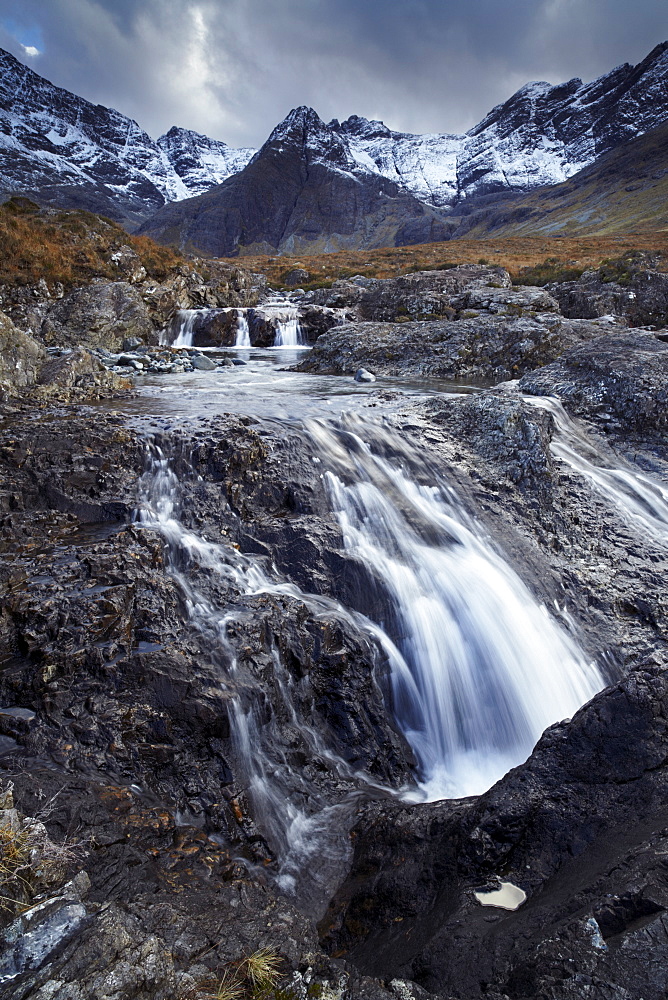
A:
(233, 68)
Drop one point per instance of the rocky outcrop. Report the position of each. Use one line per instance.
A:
(577, 828)
(623, 288)
(489, 347)
(101, 314)
(458, 291)
(77, 374)
(618, 381)
(21, 357)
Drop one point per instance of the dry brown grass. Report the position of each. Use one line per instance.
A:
(69, 247)
(515, 254)
(249, 978)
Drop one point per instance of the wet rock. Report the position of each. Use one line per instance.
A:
(620, 381)
(211, 285)
(102, 314)
(362, 375)
(316, 320)
(488, 347)
(579, 827)
(202, 363)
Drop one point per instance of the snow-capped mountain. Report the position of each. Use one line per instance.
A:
(302, 191)
(63, 150)
(201, 162)
(542, 135)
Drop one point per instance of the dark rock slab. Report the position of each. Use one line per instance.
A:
(620, 379)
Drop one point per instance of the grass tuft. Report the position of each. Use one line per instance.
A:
(262, 968)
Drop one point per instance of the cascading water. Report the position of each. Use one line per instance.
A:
(482, 668)
(285, 319)
(477, 666)
(298, 821)
(243, 333)
(643, 500)
(288, 331)
(185, 323)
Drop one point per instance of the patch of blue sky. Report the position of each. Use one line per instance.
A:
(27, 34)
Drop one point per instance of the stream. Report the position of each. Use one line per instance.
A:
(476, 666)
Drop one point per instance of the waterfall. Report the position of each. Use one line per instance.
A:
(243, 333)
(642, 500)
(288, 330)
(284, 317)
(184, 321)
(297, 819)
(480, 667)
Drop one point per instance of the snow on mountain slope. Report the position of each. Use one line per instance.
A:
(69, 140)
(542, 135)
(68, 150)
(424, 164)
(53, 141)
(202, 162)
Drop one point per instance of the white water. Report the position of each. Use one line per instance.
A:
(185, 318)
(243, 333)
(481, 668)
(477, 667)
(285, 319)
(307, 832)
(641, 499)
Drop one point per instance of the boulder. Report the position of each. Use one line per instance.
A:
(21, 357)
(77, 375)
(295, 276)
(202, 363)
(102, 314)
(128, 265)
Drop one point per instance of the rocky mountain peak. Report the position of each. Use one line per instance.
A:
(304, 131)
(363, 127)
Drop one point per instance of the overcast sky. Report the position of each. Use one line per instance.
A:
(234, 68)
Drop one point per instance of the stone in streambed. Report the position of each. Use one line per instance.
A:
(362, 375)
(203, 363)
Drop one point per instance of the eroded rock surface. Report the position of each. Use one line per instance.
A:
(486, 348)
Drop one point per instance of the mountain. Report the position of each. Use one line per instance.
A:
(61, 149)
(303, 190)
(623, 191)
(542, 135)
(315, 186)
(200, 162)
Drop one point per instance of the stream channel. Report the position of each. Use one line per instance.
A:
(472, 664)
